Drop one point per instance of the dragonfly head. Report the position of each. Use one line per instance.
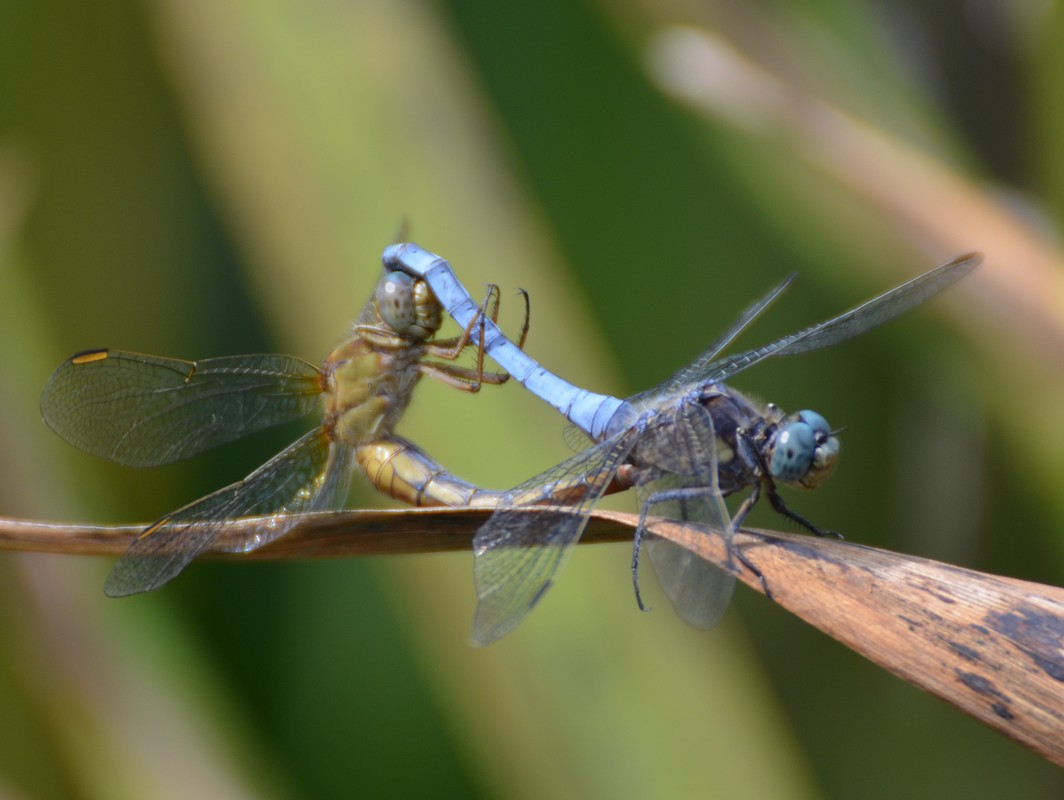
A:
(804, 451)
(408, 306)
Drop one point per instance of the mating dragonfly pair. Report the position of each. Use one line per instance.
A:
(684, 445)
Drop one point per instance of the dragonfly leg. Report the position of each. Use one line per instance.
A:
(464, 378)
(673, 495)
(754, 569)
(746, 507)
(737, 521)
(757, 464)
(450, 349)
(637, 545)
(784, 510)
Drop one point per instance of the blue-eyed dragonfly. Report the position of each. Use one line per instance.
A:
(686, 444)
(142, 410)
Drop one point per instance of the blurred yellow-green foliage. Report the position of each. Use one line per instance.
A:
(195, 178)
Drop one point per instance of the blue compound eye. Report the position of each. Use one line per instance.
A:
(793, 452)
(804, 452)
(815, 421)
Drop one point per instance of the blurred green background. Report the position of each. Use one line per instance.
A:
(196, 179)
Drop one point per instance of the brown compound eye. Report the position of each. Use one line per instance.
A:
(395, 300)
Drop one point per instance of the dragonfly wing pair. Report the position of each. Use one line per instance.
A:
(141, 410)
(854, 322)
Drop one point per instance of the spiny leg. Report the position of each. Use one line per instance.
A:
(737, 521)
(784, 510)
(451, 349)
(756, 462)
(681, 495)
(463, 377)
(781, 508)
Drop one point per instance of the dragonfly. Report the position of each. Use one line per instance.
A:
(143, 410)
(686, 445)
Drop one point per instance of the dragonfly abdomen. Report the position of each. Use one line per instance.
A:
(402, 470)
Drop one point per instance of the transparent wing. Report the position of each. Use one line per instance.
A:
(313, 474)
(517, 552)
(845, 326)
(699, 590)
(692, 372)
(141, 410)
(574, 438)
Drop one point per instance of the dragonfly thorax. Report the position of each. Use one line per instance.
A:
(713, 427)
(802, 452)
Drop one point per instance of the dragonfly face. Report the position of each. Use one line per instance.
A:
(803, 452)
(407, 306)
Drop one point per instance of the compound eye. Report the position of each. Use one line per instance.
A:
(395, 300)
(793, 452)
(817, 423)
(805, 452)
